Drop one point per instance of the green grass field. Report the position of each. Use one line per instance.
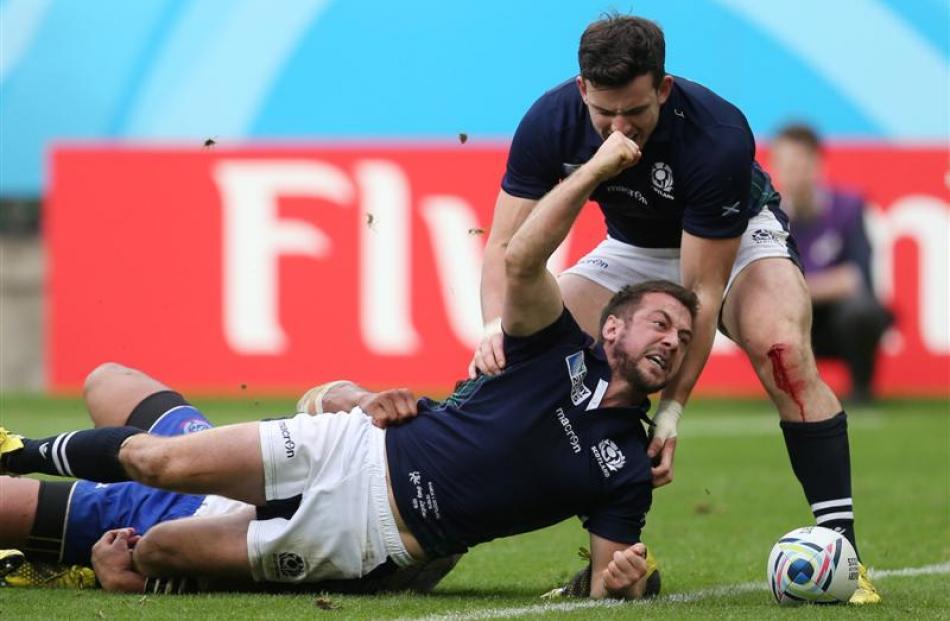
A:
(712, 529)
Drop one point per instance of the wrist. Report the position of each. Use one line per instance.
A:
(667, 418)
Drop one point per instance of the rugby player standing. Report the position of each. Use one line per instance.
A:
(696, 209)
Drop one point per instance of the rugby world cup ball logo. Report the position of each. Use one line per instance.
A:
(662, 176)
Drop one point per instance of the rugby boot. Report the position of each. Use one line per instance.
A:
(579, 585)
(10, 561)
(865, 593)
(9, 442)
(51, 575)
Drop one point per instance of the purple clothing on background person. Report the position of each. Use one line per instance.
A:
(834, 235)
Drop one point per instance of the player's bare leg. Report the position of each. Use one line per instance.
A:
(111, 391)
(585, 299)
(768, 313)
(225, 461)
(18, 499)
(213, 546)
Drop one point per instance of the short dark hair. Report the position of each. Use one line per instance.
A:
(626, 301)
(619, 48)
(801, 133)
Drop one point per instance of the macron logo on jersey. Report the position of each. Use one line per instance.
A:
(577, 370)
(609, 457)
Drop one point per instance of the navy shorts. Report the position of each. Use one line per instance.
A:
(95, 508)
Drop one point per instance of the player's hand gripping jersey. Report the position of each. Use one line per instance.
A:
(698, 173)
(524, 449)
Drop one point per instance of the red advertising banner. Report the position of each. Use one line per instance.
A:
(280, 267)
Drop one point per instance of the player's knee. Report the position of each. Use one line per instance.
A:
(151, 460)
(157, 554)
(102, 375)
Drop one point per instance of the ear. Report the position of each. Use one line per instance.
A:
(611, 328)
(666, 85)
(582, 87)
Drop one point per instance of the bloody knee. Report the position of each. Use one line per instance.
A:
(789, 365)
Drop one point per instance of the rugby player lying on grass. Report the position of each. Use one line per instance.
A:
(54, 525)
(559, 433)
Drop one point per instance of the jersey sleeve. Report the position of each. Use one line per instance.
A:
(564, 332)
(533, 167)
(718, 189)
(623, 518)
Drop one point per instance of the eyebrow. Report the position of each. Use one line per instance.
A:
(633, 110)
(666, 315)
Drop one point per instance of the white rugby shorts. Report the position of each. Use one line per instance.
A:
(614, 264)
(344, 527)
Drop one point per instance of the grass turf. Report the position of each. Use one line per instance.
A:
(712, 529)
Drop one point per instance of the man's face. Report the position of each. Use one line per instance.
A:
(648, 347)
(633, 110)
(797, 169)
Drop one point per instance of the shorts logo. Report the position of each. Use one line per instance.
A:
(194, 425)
(290, 565)
(764, 236)
(662, 176)
(577, 370)
(595, 262)
(289, 444)
(608, 456)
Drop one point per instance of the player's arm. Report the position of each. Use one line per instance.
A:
(388, 407)
(618, 570)
(705, 265)
(510, 213)
(532, 299)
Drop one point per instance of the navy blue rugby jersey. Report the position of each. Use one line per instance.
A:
(523, 450)
(698, 172)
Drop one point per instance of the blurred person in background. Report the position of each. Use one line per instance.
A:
(828, 224)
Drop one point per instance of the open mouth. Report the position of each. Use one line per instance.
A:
(658, 360)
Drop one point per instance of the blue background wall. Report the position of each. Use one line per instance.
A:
(243, 70)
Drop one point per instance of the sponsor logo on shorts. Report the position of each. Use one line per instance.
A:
(595, 261)
(577, 370)
(193, 425)
(290, 565)
(568, 430)
(289, 445)
(662, 176)
(764, 236)
(608, 456)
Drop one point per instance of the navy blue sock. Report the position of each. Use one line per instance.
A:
(91, 454)
(821, 459)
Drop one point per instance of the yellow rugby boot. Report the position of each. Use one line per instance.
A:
(9, 442)
(52, 575)
(10, 561)
(865, 593)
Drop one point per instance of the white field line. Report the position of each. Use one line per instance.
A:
(694, 596)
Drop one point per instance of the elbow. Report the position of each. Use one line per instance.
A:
(518, 265)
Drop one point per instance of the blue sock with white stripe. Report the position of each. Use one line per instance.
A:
(821, 459)
(90, 454)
